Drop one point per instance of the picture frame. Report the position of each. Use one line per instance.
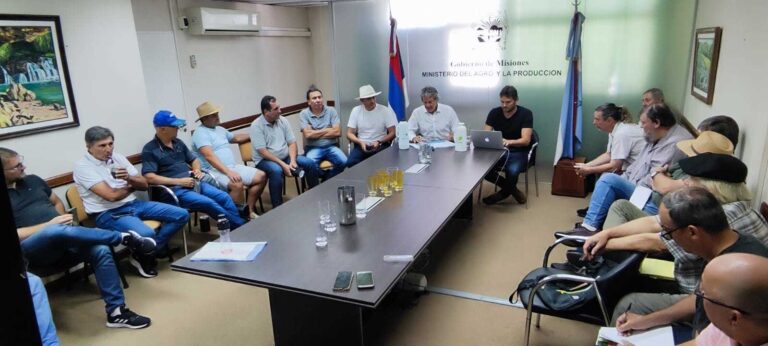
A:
(705, 58)
(35, 88)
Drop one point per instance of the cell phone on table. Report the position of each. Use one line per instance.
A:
(75, 220)
(364, 279)
(343, 281)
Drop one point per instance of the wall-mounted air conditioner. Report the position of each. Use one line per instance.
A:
(216, 21)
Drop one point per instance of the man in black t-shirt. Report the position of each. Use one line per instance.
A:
(516, 126)
(47, 237)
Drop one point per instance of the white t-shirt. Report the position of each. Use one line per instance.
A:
(372, 125)
(90, 171)
(625, 142)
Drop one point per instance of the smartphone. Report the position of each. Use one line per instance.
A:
(75, 221)
(364, 279)
(343, 281)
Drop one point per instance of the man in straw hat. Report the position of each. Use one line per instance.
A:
(371, 126)
(210, 142)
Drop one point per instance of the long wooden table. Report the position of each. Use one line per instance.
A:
(300, 276)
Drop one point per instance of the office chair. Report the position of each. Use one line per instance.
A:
(531, 164)
(609, 286)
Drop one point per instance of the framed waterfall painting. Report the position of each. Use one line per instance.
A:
(705, 57)
(35, 88)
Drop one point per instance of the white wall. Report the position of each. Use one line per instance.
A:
(107, 81)
(322, 53)
(740, 85)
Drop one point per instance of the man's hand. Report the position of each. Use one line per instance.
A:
(185, 182)
(630, 322)
(417, 139)
(505, 142)
(364, 146)
(287, 170)
(198, 174)
(375, 145)
(662, 169)
(234, 177)
(582, 169)
(63, 219)
(595, 244)
(121, 173)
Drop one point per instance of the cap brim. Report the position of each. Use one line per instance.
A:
(368, 96)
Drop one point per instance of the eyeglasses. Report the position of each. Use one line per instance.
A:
(700, 294)
(18, 166)
(667, 231)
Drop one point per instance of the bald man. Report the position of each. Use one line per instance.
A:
(734, 289)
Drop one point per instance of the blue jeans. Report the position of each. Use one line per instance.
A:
(608, 189)
(172, 218)
(57, 242)
(275, 176)
(211, 201)
(356, 155)
(42, 311)
(331, 153)
(513, 163)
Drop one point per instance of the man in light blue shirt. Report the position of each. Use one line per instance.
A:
(275, 151)
(211, 144)
(321, 129)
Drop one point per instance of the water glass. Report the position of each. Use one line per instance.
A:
(373, 185)
(324, 211)
(399, 176)
(332, 224)
(360, 208)
(321, 236)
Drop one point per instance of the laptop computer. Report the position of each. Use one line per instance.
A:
(487, 139)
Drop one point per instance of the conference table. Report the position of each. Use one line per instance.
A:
(300, 276)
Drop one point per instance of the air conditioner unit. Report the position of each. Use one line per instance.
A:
(216, 21)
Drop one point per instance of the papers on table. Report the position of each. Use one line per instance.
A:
(654, 337)
(229, 252)
(369, 203)
(657, 268)
(436, 144)
(640, 196)
(417, 168)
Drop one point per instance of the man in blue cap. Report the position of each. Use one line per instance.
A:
(166, 160)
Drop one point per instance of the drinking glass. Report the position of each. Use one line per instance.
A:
(391, 174)
(373, 185)
(332, 223)
(324, 212)
(321, 236)
(399, 176)
(360, 207)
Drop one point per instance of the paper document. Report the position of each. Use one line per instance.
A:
(436, 144)
(654, 337)
(657, 268)
(369, 203)
(417, 168)
(229, 252)
(640, 196)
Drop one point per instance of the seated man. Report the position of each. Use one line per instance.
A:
(109, 199)
(734, 293)
(321, 129)
(661, 135)
(371, 126)
(47, 236)
(516, 125)
(210, 142)
(166, 160)
(433, 120)
(693, 218)
(625, 140)
(275, 151)
(650, 97)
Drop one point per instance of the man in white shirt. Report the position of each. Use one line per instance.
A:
(210, 142)
(371, 126)
(432, 120)
(106, 181)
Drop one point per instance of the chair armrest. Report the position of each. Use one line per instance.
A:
(212, 180)
(577, 238)
(164, 189)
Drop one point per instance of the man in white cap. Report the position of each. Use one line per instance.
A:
(371, 126)
(210, 142)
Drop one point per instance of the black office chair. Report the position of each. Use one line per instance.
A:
(609, 286)
(531, 164)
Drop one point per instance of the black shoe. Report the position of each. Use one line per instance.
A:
(519, 196)
(138, 244)
(495, 198)
(582, 212)
(167, 252)
(122, 317)
(579, 232)
(144, 264)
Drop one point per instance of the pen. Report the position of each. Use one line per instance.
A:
(628, 307)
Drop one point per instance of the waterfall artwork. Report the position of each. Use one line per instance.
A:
(35, 88)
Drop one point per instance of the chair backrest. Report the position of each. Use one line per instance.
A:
(534, 148)
(618, 281)
(245, 152)
(74, 201)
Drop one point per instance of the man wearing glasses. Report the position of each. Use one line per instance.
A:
(694, 219)
(371, 126)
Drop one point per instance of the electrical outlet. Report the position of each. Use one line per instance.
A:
(192, 61)
(182, 22)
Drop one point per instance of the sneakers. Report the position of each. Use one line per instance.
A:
(122, 317)
(495, 198)
(144, 264)
(579, 232)
(138, 244)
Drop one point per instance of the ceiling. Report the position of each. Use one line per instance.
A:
(292, 3)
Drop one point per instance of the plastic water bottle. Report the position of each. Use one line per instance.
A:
(401, 131)
(223, 226)
(460, 137)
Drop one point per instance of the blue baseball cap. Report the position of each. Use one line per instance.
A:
(166, 118)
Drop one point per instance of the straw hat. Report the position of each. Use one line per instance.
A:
(706, 142)
(206, 109)
(367, 91)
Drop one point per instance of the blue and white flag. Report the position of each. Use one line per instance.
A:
(569, 133)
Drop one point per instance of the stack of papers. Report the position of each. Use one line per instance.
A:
(229, 252)
(657, 268)
(654, 337)
(436, 144)
(369, 203)
(417, 168)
